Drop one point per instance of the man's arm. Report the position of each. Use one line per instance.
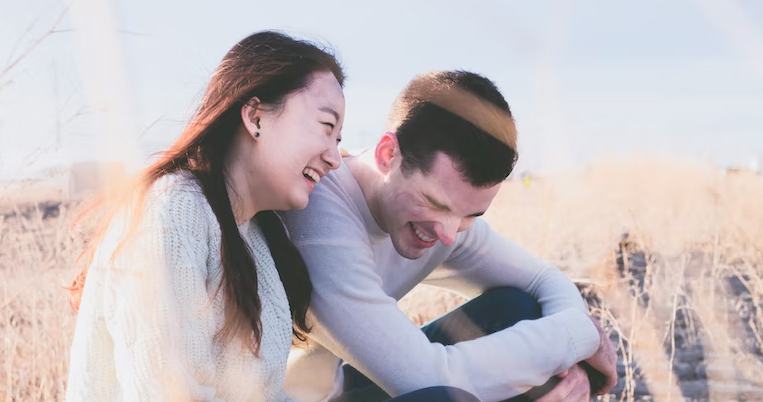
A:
(354, 318)
(484, 259)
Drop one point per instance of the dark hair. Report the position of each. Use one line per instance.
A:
(270, 66)
(423, 129)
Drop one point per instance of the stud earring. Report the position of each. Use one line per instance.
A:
(256, 134)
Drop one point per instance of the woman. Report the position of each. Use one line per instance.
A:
(193, 284)
(193, 290)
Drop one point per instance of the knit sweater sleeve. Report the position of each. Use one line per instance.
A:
(156, 293)
(359, 322)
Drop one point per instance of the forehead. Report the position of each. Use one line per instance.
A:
(323, 91)
(445, 184)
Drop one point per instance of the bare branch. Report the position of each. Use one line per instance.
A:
(37, 42)
(21, 39)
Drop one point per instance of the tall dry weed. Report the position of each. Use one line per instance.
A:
(681, 293)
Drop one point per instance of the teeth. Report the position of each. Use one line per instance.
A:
(421, 235)
(312, 174)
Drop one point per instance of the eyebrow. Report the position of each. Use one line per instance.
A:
(444, 207)
(329, 110)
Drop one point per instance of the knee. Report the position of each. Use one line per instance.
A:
(444, 394)
(522, 305)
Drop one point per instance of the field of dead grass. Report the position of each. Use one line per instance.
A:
(669, 255)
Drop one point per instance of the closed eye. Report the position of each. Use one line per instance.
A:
(338, 140)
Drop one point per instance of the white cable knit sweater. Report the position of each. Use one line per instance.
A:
(146, 325)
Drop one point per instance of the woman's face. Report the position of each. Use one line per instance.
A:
(297, 145)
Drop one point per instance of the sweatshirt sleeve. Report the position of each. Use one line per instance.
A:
(156, 291)
(484, 259)
(355, 319)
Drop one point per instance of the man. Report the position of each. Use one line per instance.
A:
(408, 212)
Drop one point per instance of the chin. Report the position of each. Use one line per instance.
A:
(407, 252)
(299, 202)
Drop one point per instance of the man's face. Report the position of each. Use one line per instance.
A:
(418, 209)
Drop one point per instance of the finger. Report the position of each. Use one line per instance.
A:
(563, 373)
(601, 378)
(608, 385)
(608, 380)
(560, 391)
(581, 393)
(611, 383)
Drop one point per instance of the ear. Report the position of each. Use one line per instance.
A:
(386, 150)
(250, 116)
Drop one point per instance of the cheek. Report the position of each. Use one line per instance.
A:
(291, 129)
(422, 214)
(310, 144)
(299, 151)
(411, 211)
(402, 204)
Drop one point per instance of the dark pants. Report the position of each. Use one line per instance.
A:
(436, 394)
(494, 310)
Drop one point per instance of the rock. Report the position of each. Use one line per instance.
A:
(693, 355)
(684, 371)
(641, 388)
(694, 389)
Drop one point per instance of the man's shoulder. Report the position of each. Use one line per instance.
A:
(331, 213)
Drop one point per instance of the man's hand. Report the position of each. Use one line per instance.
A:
(573, 387)
(603, 364)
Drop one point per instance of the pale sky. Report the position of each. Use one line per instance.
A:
(585, 79)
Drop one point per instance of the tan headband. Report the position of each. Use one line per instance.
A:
(470, 107)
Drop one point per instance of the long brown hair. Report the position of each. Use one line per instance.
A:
(270, 66)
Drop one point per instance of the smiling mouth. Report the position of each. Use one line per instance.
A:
(421, 235)
(311, 174)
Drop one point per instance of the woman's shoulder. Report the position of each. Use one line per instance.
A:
(173, 212)
(177, 196)
(181, 183)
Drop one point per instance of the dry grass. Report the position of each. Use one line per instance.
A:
(36, 324)
(700, 236)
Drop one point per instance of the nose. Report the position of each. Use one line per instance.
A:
(446, 231)
(332, 157)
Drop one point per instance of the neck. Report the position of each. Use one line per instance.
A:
(241, 179)
(370, 181)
